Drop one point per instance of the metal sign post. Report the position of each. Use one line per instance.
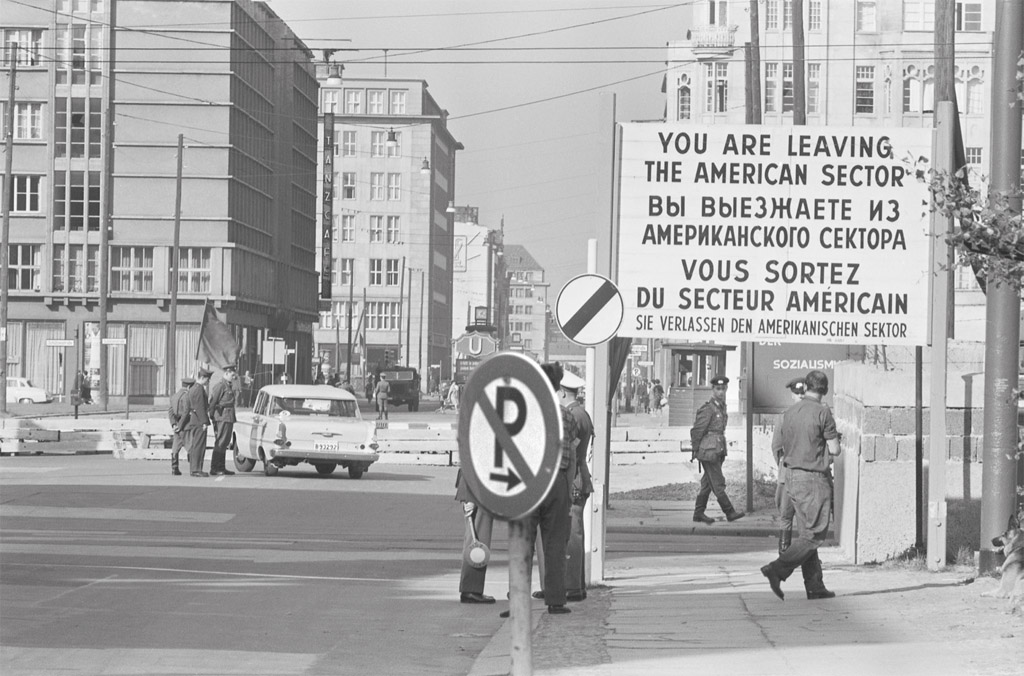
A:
(510, 432)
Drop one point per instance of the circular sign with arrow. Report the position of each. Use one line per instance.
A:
(510, 432)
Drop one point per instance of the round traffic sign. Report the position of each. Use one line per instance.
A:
(510, 434)
(589, 309)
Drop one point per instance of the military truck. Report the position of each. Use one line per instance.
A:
(405, 386)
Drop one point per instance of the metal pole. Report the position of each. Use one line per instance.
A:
(5, 235)
(799, 81)
(755, 63)
(408, 324)
(401, 305)
(1002, 302)
(107, 216)
(422, 294)
(175, 252)
(351, 290)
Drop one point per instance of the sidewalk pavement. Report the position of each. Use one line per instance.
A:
(713, 612)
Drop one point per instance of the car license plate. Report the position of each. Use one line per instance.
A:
(325, 446)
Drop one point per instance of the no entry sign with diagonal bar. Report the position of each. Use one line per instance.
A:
(510, 433)
(589, 309)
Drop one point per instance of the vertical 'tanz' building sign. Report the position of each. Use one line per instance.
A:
(326, 267)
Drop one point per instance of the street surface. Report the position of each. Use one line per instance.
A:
(114, 566)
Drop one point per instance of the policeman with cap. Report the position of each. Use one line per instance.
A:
(222, 411)
(707, 439)
(198, 421)
(582, 486)
(177, 414)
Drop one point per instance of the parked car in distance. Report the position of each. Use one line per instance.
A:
(317, 424)
(22, 391)
(405, 386)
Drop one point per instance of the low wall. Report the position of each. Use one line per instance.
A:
(874, 406)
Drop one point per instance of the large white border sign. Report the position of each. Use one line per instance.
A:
(791, 234)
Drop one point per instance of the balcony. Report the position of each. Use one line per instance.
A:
(710, 42)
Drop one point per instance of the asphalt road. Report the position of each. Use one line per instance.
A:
(116, 567)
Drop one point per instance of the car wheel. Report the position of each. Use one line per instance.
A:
(269, 468)
(325, 467)
(356, 471)
(242, 464)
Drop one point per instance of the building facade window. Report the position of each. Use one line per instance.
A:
(376, 272)
(814, 15)
(382, 316)
(684, 102)
(394, 186)
(345, 266)
(25, 267)
(75, 267)
(79, 53)
(348, 228)
(376, 144)
(76, 200)
(78, 123)
(348, 185)
(967, 17)
(24, 198)
(813, 88)
(973, 154)
(377, 185)
(392, 278)
(394, 232)
(348, 143)
(398, 102)
(717, 86)
(866, 16)
(354, 101)
(395, 150)
(864, 92)
(771, 15)
(375, 102)
(787, 15)
(28, 121)
(918, 89)
(131, 269)
(919, 15)
(718, 13)
(28, 42)
(194, 270)
(376, 229)
(331, 99)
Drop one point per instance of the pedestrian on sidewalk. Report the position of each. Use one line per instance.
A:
(806, 441)
(471, 580)
(785, 506)
(381, 392)
(707, 439)
(582, 486)
(177, 413)
(198, 421)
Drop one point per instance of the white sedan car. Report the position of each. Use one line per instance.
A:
(22, 391)
(318, 424)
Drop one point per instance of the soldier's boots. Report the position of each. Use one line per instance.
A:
(814, 583)
(700, 518)
(785, 539)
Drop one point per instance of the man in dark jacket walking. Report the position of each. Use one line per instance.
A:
(222, 411)
(707, 439)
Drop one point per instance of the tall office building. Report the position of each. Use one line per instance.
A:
(105, 89)
(528, 292)
(390, 235)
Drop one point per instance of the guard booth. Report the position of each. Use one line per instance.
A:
(691, 368)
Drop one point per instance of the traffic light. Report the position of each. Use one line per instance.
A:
(387, 358)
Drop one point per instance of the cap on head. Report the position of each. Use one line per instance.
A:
(188, 380)
(719, 380)
(229, 367)
(572, 382)
(797, 386)
(205, 372)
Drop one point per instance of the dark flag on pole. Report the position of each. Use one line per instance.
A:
(217, 345)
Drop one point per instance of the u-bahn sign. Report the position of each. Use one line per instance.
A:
(476, 344)
(510, 432)
(770, 233)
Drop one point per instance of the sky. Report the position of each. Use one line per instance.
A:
(516, 97)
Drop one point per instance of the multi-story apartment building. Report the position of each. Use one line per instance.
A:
(867, 63)
(480, 280)
(527, 304)
(391, 232)
(105, 88)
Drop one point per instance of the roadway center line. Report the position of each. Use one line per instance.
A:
(193, 571)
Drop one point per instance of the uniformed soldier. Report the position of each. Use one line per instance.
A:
(471, 580)
(582, 487)
(222, 410)
(782, 501)
(707, 438)
(198, 421)
(177, 413)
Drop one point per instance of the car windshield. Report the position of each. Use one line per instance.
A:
(330, 408)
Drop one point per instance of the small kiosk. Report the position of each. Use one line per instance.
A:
(691, 367)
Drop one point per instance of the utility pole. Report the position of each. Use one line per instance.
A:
(5, 231)
(351, 289)
(175, 263)
(755, 63)
(799, 81)
(422, 294)
(1002, 300)
(408, 324)
(401, 306)
(106, 223)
